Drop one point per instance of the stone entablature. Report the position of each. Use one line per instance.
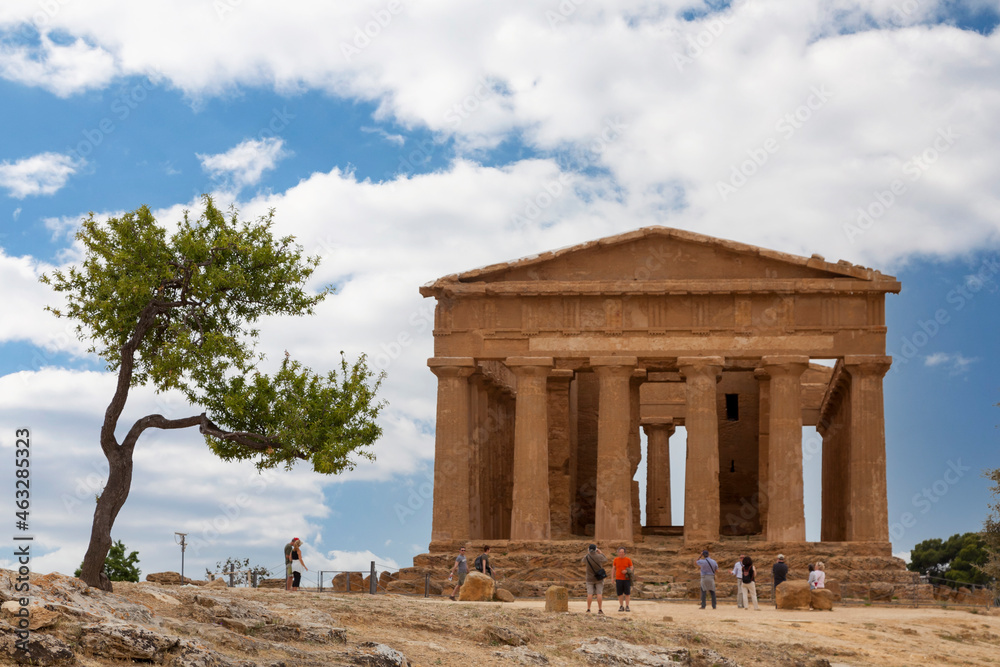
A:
(549, 366)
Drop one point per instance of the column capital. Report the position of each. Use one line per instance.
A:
(529, 366)
(867, 364)
(761, 374)
(452, 366)
(561, 375)
(694, 366)
(658, 423)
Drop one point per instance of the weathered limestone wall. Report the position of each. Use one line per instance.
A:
(560, 443)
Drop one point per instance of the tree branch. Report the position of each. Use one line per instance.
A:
(253, 441)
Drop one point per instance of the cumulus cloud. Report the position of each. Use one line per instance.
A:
(42, 174)
(245, 163)
(955, 363)
(63, 69)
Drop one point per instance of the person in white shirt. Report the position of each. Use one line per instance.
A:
(741, 595)
(817, 578)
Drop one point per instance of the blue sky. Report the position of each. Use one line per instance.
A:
(403, 141)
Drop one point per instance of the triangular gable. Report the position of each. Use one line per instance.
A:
(662, 253)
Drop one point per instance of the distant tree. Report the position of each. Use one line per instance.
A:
(991, 531)
(958, 559)
(118, 566)
(244, 573)
(180, 313)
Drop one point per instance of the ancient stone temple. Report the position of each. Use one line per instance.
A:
(549, 366)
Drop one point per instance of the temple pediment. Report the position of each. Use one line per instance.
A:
(661, 258)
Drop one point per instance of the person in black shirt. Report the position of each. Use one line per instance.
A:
(780, 574)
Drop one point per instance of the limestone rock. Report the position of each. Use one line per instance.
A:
(833, 586)
(119, 641)
(557, 599)
(503, 635)
(339, 584)
(880, 592)
(503, 595)
(172, 579)
(821, 598)
(793, 595)
(522, 656)
(217, 583)
(378, 655)
(43, 650)
(607, 651)
(477, 588)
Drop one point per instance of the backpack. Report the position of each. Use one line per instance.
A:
(478, 563)
(748, 574)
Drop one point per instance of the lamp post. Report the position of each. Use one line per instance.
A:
(183, 546)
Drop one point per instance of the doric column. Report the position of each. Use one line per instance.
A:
(613, 513)
(559, 451)
(701, 475)
(658, 432)
(763, 444)
(786, 521)
(635, 449)
(529, 518)
(867, 508)
(450, 515)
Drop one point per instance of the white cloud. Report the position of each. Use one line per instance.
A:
(509, 71)
(42, 174)
(63, 69)
(245, 163)
(956, 363)
(904, 555)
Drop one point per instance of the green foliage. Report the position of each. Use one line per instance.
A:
(118, 566)
(958, 559)
(179, 311)
(242, 569)
(991, 531)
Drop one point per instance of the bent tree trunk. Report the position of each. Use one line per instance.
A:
(108, 505)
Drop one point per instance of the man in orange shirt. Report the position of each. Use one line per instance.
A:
(623, 579)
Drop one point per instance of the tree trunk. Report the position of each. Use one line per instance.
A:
(108, 505)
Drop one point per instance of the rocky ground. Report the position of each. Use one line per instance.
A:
(218, 627)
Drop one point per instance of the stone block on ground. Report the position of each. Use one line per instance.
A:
(503, 595)
(339, 584)
(821, 598)
(172, 578)
(833, 586)
(793, 595)
(557, 599)
(880, 592)
(217, 583)
(477, 588)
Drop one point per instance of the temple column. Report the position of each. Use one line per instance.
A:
(658, 432)
(450, 516)
(786, 520)
(867, 507)
(613, 513)
(635, 449)
(529, 519)
(701, 482)
(763, 445)
(559, 451)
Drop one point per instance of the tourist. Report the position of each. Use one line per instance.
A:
(738, 573)
(708, 568)
(482, 562)
(748, 582)
(779, 574)
(623, 579)
(593, 560)
(298, 565)
(288, 564)
(812, 575)
(818, 578)
(462, 565)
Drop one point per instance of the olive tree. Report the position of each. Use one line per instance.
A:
(178, 311)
